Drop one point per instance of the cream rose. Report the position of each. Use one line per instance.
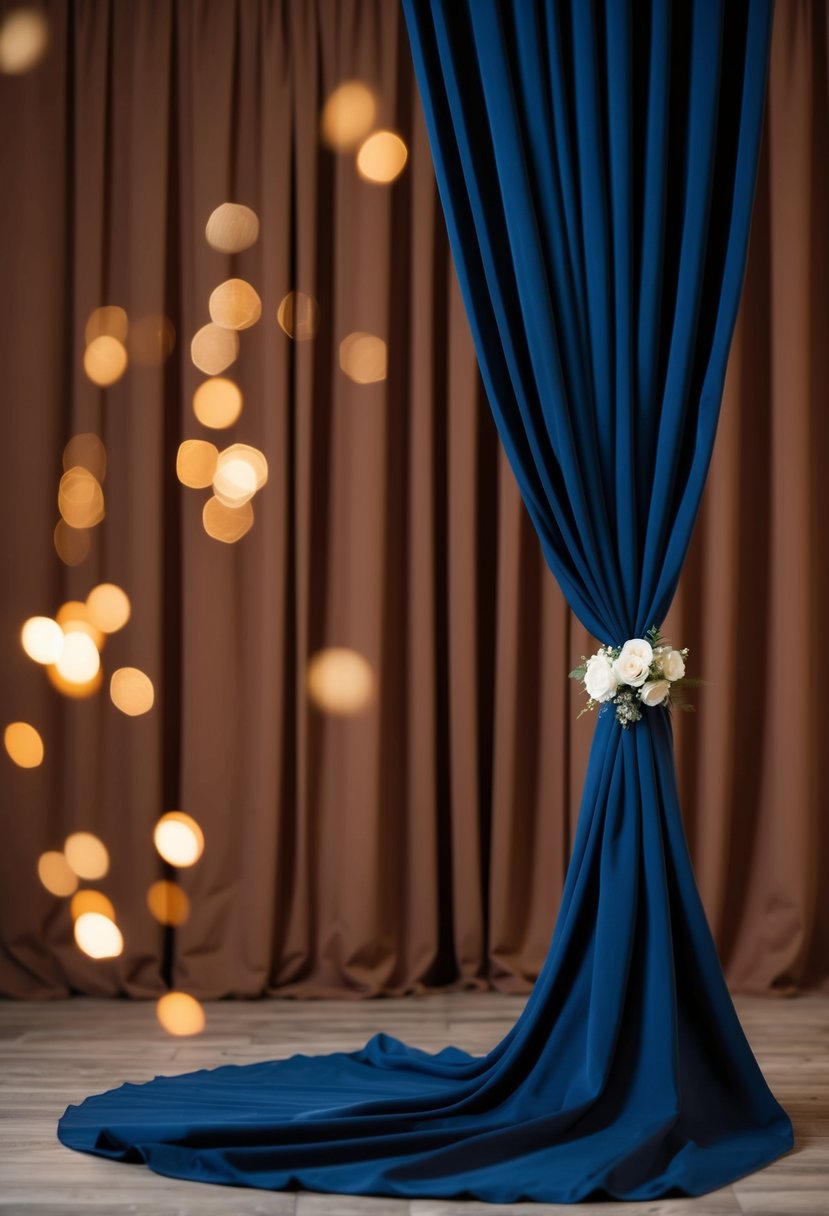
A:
(654, 692)
(599, 679)
(634, 662)
(672, 664)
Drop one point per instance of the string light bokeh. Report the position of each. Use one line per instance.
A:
(116, 349)
(178, 839)
(217, 402)
(24, 38)
(24, 744)
(348, 115)
(232, 228)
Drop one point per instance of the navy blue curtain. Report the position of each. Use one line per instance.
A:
(596, 163)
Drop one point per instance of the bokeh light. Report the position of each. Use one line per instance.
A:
(382, 157)
(340, 681)
(74, 617)
(105, 360)
(56, 874)
(234, 482)
(109, 321)
(42, 638)
(72, 545)
(24, 744)
(131, 691)
(80, 498)
(24, 37)
(78, 691)
(168, 903)
(234, 305)
(109, 607)
(241, 470)
(196, 463)
(79, 661)
(178, 839)
(98, 936)
(298, 314)
(86, 451)
(151, 341)
(180, 1014)
(91, 901)
(231, 228)
(87, 855)
(363, 358)
(217, 402)
(227, 524)
(214, 348)
(348, 115)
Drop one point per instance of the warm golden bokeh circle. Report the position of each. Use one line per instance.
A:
(348, 115)
(196, 463)
(23, 744)
(298, 315)
(131, 691)
(340, 681)
(227, 524)
(72, 545)
(234, 305)
(168, 903)
(241, 470)
(382, 157)
(80, 498)
(231, 228)
(363, 358)
(105, 360)
(252, 456)
(108, 321)
(24, 37)
(180, 1014)
(98, 935)
(56, 874)
(91, 901)
(74, 617)
(80, 660)
(109, 607)
(87, 855)
(217, 402)
(42, 639)
(151, 341)
(178, 839)
(214, 348)
(234, 482)
(86, 451)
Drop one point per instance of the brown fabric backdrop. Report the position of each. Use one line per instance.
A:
(425, 842)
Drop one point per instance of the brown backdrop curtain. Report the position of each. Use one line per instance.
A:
(423, 843)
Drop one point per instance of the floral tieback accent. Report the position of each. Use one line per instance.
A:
(645, 671)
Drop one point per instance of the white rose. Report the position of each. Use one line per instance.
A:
(599, 680)
(673, 665)
(634, 662)
(654, 692)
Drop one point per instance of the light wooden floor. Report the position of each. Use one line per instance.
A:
(55, 1053)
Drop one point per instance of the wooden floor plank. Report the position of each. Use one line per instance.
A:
(57, 1052)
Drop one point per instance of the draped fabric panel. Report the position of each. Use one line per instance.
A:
(114, 150)
(603, 352)
(597, 166)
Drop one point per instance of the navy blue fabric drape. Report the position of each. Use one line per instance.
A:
(596, 163)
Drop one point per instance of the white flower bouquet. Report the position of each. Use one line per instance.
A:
(645, 671)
